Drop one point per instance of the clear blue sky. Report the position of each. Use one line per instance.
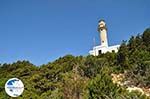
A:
(43, 30)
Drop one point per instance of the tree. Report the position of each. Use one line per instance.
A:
(146, 37)
(101, 87)
(122, 56)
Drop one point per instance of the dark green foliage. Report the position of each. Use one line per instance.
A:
(79, 77)
(92, 65)
(101, 87)
(146, 37)
(135, 55)
(122, 56)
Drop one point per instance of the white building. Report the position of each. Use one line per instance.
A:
(103, 48)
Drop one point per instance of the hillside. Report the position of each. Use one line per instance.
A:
(88, 77)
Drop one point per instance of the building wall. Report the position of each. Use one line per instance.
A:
(103, 49)
(103, 36)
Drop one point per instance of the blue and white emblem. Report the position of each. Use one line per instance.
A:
(14, 87)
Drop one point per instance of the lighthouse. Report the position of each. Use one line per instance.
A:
(103, 47)
(102, 29)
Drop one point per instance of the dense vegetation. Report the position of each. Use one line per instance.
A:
(87, 77)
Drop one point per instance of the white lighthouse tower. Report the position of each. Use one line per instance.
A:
(102, 29)
(103, 48)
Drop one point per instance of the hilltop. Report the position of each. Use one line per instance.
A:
(85, 77)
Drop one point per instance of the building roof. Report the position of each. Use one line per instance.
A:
(101, 20)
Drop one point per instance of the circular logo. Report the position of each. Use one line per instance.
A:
(14, 87)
